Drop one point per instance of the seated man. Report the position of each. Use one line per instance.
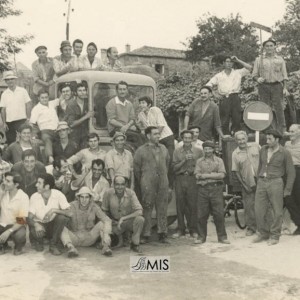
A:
(64, 146)
(14, 205)
(49, 212)
(125, 211)
(62, 177)
(119, 161)
(94, 179)
(121, 116)
(29, 169)
(13, 153)
(88, 223)
(4, 167)
(87, 155)
(45, 117)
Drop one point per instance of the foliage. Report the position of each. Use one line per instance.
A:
(9, 45)
(287, 34)
(218, 37)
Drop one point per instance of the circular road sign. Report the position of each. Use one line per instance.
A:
(258, 116)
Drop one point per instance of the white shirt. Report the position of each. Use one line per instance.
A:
(228, 84)
(86, 65)
(15, 103)
(156, 118)
(45, 116)
(37, 207)
(13, 208)
(118, 101)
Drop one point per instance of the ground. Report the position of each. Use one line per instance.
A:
(241, 270)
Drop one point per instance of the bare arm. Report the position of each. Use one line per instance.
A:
(186, 122)
(28, 109)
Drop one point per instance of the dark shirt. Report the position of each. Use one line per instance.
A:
(13, 153)
(29, 180)
(280, 164)
(208, 122)
(189, 166)
(70, 149)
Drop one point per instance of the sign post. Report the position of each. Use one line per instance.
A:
(258, 116)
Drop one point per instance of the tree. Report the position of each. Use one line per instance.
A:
(287, 34)
(223, 36)
(10, 45)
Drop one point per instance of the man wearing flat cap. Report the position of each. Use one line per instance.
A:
(184, 161)
(43, 73)
(64, 63)
(15, 106)
(119, 161)
(270, 73)
(275, 163)
(87, 224)
(210, 172)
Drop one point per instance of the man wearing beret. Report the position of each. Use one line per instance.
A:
(275, 163)
(270, 73)
(184, 161)
(209, 172)
(43, 72)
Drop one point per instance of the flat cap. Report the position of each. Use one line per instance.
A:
(274, 132)
(269, 40)
(84, 190)
(117, 134)
(186, 131)
(65, 44)
(210, 144)
(40, 48)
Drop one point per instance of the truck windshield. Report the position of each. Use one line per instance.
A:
(103, 92)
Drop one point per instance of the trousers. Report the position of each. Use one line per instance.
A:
(13, 127)
(249, 211)
(18, 237)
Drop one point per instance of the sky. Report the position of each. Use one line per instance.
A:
(157, 23)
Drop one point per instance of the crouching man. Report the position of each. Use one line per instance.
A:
(123, 207)
(49, 212)
(84, 229)
(14, 205)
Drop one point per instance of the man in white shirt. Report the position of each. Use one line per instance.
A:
(15, 106)
(49, 212)
(229, 86)
(45, 117)
(14, 205)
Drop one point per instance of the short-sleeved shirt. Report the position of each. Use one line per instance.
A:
(208, 122)
(294, 149)
(207, 165)
(274, 68)
(39, 209)
(117, 67)
(15, 103)
(122, 164)
(156, 118)
(17, 207)
(45, 116)
(59, 65)
(245, 161)
(4, 168)
(85, 220)
(116, 208)
(86, 156)
(123, 112)
(228, 84)
(179, 155)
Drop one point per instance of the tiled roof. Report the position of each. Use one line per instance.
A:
(157, 52)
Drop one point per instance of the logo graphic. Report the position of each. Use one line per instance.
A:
(150, 264)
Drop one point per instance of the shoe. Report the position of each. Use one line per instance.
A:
(54, 250)
(72, 251)
(272, 242)
(135, 248)
(198, 242)
(249, 232)
(7, 247)
(39, 247)
(145, 240)
(2, 250)
(107, 252)
(224, 241)
(297, 231)
(194, 235)
(177, 235)
(259, 239)
(163, 238)
(18, 252)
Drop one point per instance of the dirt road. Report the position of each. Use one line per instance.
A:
(211, 271)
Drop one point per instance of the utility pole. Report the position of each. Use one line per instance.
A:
(68, 19)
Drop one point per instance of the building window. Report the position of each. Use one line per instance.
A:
(160, 68)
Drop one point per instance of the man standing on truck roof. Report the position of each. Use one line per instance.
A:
(121, 116)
